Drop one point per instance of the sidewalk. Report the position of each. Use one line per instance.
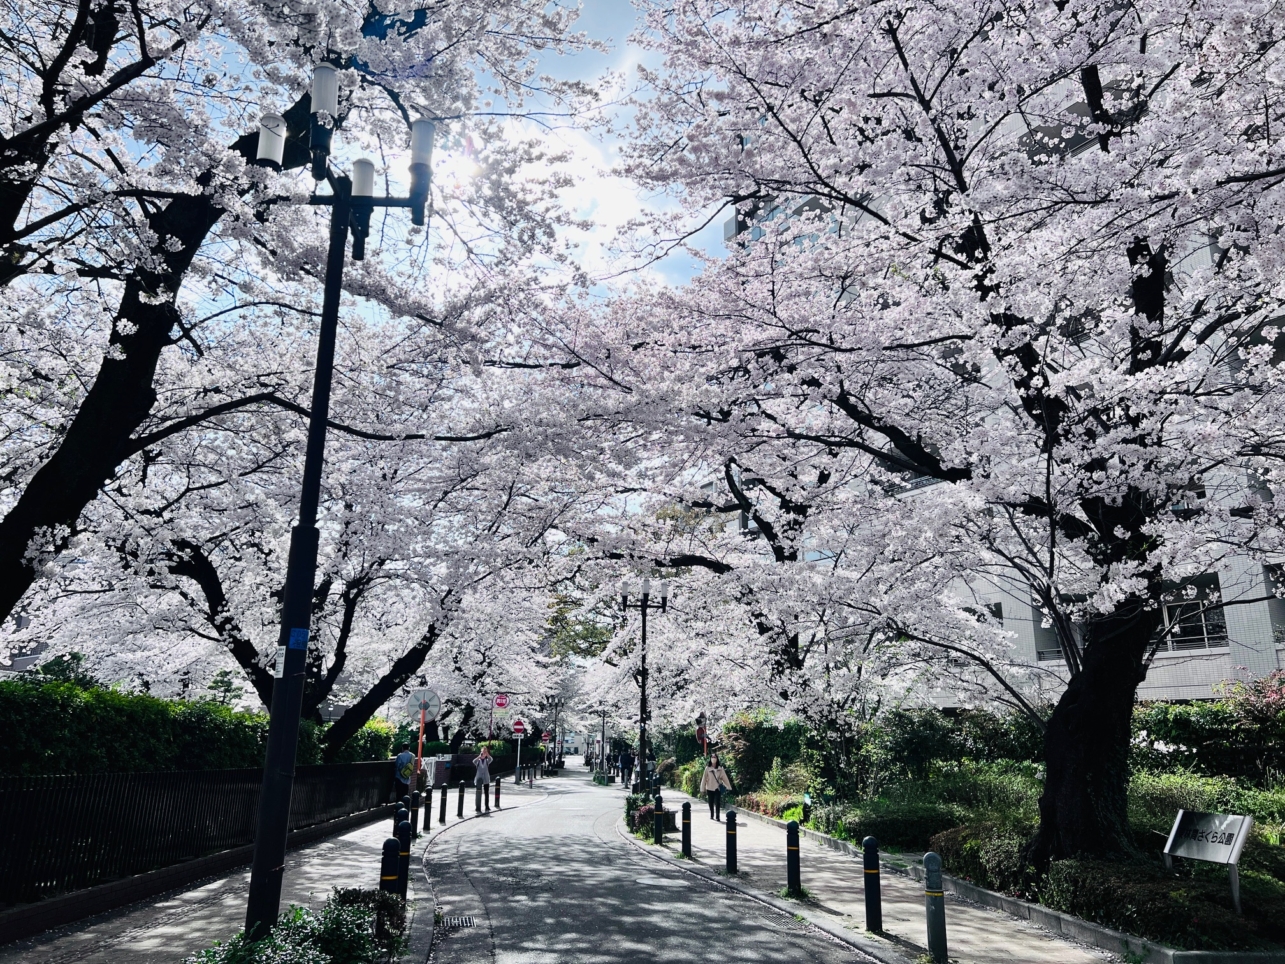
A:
(835, 881)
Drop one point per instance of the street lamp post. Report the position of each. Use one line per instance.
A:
(643, 604)
(351, 202)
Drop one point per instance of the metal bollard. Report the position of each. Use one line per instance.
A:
(874, 898)
(428, 808)
(530, 776)
(497, 792)
(401, 814)
(414, 814)
(459, 807)
(403, 857)
(793, 882)
(935, 908)
(658, 822)
(731, 841)
(406, 802)
(389, 864)
(687, 830)
(441, 813)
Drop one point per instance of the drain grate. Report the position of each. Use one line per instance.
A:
(451, 923)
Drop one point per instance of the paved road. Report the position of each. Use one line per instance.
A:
(552, 882)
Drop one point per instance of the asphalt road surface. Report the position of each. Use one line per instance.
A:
(552, 882)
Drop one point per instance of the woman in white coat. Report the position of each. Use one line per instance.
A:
(714, 782)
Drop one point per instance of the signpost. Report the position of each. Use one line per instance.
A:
(501, 704)
(519, 730)
(427, 704)
(1214, 837)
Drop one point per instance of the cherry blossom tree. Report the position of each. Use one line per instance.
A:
(143, 252)
(1023, 258)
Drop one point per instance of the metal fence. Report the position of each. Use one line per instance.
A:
(64, 833)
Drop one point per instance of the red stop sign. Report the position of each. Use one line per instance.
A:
(546, 736)
(519, 727)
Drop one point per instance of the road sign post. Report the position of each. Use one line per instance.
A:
(519, 730)
(426, 704)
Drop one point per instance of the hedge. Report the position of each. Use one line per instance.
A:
(62, 727)
(1189, 907)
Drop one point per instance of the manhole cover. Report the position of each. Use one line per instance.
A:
(451, 923)
(660, 881)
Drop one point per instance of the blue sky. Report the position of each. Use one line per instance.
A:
(610, 201)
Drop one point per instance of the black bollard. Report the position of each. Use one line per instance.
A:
(793, 882)
(658, 822)
(414, 814)
(428, 808)
(403, 857)
(396, 818)
(459, 805)
(497, 792)
(731, 841)
(874, 899)
(935, 908)
(401, 814)
(388, 865)
(441, 813)
(406, 802)
(687, 830)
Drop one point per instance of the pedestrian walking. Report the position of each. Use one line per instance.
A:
(626, 767)
(482, 780)
(403, 770)
(714, 781)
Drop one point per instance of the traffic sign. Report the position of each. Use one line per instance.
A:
(519, 727)
(501, 701)
(423, 700)
(546, 736)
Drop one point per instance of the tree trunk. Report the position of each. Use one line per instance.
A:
(1083, 809)
(359, 714)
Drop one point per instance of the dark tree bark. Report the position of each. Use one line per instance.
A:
(1083, 809)
(360, 713)
(99, 436)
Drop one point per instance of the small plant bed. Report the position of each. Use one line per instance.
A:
(354, 927)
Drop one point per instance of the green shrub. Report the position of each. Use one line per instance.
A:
(642, 822)
(1141, 898)
(687, 777)
(374, 741)
(901, 825)
(793, 813)
(768, 804)
(989, 855)
(64, 727)
(753, 740)
(343, 932)
(796, 778)
(665, 769)
(1156, 798)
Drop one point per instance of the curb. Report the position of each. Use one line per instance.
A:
(870, 946)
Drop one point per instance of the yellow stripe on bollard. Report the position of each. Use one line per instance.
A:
(872, 871)
(934, 893)
(389, 877)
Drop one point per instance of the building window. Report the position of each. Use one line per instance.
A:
(1188, 622)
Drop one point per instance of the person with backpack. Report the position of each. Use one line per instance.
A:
(403, 770)
(714, 781)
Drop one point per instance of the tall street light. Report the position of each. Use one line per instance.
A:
(643, 604)
(351, 201)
